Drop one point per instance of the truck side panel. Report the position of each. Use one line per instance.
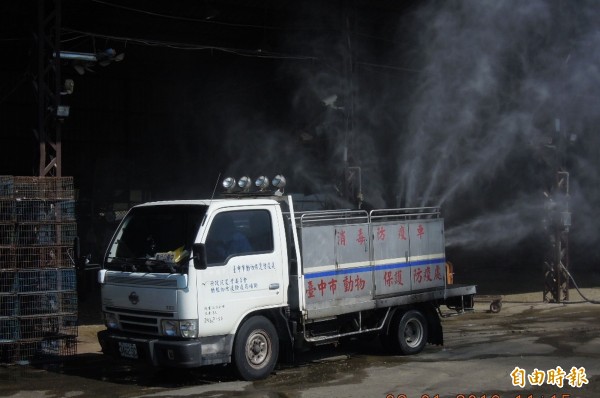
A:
(408, 256)
(337, 270)
(427, 254)
(347, 267)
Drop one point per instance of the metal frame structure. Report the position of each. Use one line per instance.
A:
(48, 87)
(558, 222)
(556, 264)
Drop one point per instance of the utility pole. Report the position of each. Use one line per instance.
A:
(558, 222)
(352, 184)
(50, 111)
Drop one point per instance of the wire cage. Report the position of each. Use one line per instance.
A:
(51, 303)
(37, 234)
(27, 257)
(51, 326)
(66, 211)
(68, 279)
(8, 352)
(9, 330)
(8, 282)
(43, 188)
(7, 210)
(7, 184)
(30, 187)
(9, 305)
(44, 350)
(38, 210)
(34, 257)
(7, 234)
(7, 257)
(38, 296)
(31, 281)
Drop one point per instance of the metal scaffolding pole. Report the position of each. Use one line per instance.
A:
(50, 111)
(558, 223)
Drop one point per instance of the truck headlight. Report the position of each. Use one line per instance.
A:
(189, 328)
(185, 328)
(169, 328)
(111, 321)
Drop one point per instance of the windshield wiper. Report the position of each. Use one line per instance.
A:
(151, 261)
(136, 264)
(125, 263)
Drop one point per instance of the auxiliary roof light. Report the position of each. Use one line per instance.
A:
(279, 181)
(229, 184)
(262, 183)
(245, 183)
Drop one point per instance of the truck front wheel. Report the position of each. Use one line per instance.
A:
(256, 348)
(408, 332)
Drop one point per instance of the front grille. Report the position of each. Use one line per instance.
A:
(129, 318)
(145, 322)
(135, 328)
(158, 314)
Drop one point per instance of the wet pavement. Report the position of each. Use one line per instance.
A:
(481, 350)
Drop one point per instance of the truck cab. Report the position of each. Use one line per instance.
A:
(152, 287)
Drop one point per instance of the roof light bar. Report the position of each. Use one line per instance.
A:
(261, 184)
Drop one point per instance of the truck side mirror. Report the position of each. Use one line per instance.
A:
(199, 255)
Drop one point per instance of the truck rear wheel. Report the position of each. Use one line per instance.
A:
(408, 332)
(256, 349)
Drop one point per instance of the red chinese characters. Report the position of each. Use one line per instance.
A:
(322, 286)
(393, 278)
(333, 285)
(341, 238)
(422, 275)
(361, 239)
(420, 231)
(348, 284)
(380, 233)
(402, 233)
(351, 283)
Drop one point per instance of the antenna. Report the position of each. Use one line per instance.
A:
(215, 189)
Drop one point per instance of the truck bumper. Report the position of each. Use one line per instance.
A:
(169, 353)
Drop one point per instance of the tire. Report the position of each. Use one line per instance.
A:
(408, 333)
(255, 349)
(495, 306)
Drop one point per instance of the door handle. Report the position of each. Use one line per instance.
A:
(274, 286)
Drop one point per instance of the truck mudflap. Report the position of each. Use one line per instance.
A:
(169, 353)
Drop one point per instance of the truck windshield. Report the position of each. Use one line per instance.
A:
(155, 239)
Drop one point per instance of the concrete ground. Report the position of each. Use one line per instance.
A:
(480, 352)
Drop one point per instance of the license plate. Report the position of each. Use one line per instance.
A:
(128, 350)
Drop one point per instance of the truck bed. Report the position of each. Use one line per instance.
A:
(355, 261)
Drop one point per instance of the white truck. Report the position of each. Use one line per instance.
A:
(244, 278)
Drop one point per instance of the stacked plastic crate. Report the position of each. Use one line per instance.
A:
(38, 296)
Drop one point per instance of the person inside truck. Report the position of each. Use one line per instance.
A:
(225, 240)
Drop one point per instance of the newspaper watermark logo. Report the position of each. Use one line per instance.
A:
(555, 377)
